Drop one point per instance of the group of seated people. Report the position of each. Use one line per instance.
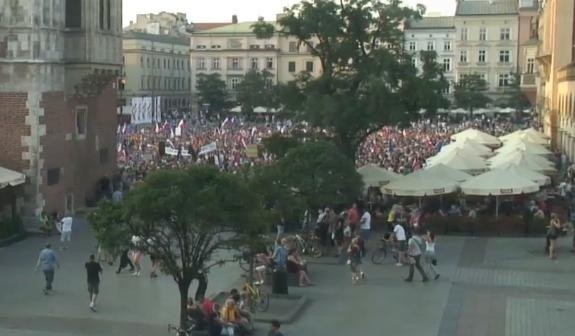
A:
(229, 319)
(265, 261)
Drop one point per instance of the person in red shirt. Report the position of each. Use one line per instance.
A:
(353, 217)
(207, 305)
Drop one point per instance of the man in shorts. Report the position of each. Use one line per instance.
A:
(93, 271)
(65, 227)
(401, 238)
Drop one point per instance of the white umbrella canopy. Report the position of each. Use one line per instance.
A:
(534, 176)
(477, 136)
(419, 185)
(375, 176)
(460, 160)
(499, 182)
(533, 132)
(524, 146)
(442, 171)
(471, 145)
(525, 137)
(516, 155)
(510, 135)
(11, 178)
(523, 160)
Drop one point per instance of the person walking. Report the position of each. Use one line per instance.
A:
(93, 271)
(430, 256)
(414, 254)
(365, 226)
(354, 261)
(401, 239)
(66, 231)
(125, 261)
(553, 234)
(48, 261)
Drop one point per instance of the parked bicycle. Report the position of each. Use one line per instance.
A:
(311, 246)
(256, 298)
(388, 246)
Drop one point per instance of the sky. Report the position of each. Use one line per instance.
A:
(246, 10)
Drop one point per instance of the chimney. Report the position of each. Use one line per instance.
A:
(234, 19)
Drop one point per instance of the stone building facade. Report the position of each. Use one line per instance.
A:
(65, 143)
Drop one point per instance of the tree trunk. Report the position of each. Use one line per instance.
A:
(183, 287)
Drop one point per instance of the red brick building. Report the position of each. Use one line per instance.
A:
(61, 137)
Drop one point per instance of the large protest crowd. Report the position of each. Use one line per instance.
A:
(233, 143)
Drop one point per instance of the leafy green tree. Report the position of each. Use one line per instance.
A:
(513, 95)
(470, 92)
(183, 217)
(256, 89)
(212, 90)
(433, 84)
(279, 145)
(319, 174)
(108, 223)
(367, 79)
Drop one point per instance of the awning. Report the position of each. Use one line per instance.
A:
(10, 178)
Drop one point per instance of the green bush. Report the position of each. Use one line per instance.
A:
(10, 227)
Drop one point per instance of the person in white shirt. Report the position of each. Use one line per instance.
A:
(415, 247)
(365, 226)
(400, 237)
(66, 230)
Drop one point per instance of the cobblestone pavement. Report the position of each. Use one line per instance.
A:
(488, 286)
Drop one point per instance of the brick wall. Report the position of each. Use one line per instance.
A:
(13, 112)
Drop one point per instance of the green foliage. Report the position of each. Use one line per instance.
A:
(319, 175)
(432, 84)
(212, 90)
(513, 96)
(367, 80)
(92, 84)
(279, 145)
(470, 92)
(109, 224)
(256, 89)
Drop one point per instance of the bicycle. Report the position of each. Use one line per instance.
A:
(387, 246)
(311, 247)
(257, 298)
(179, 331)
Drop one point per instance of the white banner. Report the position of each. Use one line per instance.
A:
(211, 147)
(142, 110)
(174, 152)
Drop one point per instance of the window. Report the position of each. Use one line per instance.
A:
(412, 46)
(53, 176)
(269, 46)
(148, 62)
(108, 15)
(447, 45)
(142, 80)
(217, 46)
(234, 44)
(142, 61)
(447, 64)
(530, 65)
(164, 63)
(309, 66)
(291, 66)
(254, 63)
(293, 47)
(269, 63)
(414, 62)
(46, 12)
(504, 56)
(215, 63)
(503, 80)
(482, 34)
(481, 56)
(73, 14)
(235, 82)
(463, 56)
(254, 46)
(463, 36)
(102, 20)
(201, 46)
(201, 64)
(430, 46)
(235, 63)
(505, 34)
(81, 120)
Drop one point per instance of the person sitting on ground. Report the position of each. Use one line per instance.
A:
(214, 321)
(232, 321)
(297, 266)
(240, 301)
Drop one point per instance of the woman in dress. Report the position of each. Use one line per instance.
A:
(553, 234)
(430, 256)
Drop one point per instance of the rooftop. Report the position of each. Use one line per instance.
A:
(134, 35)
(236, 28)
(435, 22)
(200, 26)
(486, 7)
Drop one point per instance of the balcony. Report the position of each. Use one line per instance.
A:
(528, 79)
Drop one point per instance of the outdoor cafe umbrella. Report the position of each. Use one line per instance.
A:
(534, 176)
(419, 185)
(460, 160)
(375, 176)
(499, 183)
(441, 171)
(470, 146)
(478, 136)
(525, 146)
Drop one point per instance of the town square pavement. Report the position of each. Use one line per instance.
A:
(488, 286)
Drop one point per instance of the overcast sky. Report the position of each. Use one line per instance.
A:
(246, 10)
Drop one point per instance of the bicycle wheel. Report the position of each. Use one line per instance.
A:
(378, 256)
(263, 302)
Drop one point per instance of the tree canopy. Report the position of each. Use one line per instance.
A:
(433, 85)
(256, 89)
(513, 95)
(183, 217)
(367, 78)
(212, 91)
(470, 92)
